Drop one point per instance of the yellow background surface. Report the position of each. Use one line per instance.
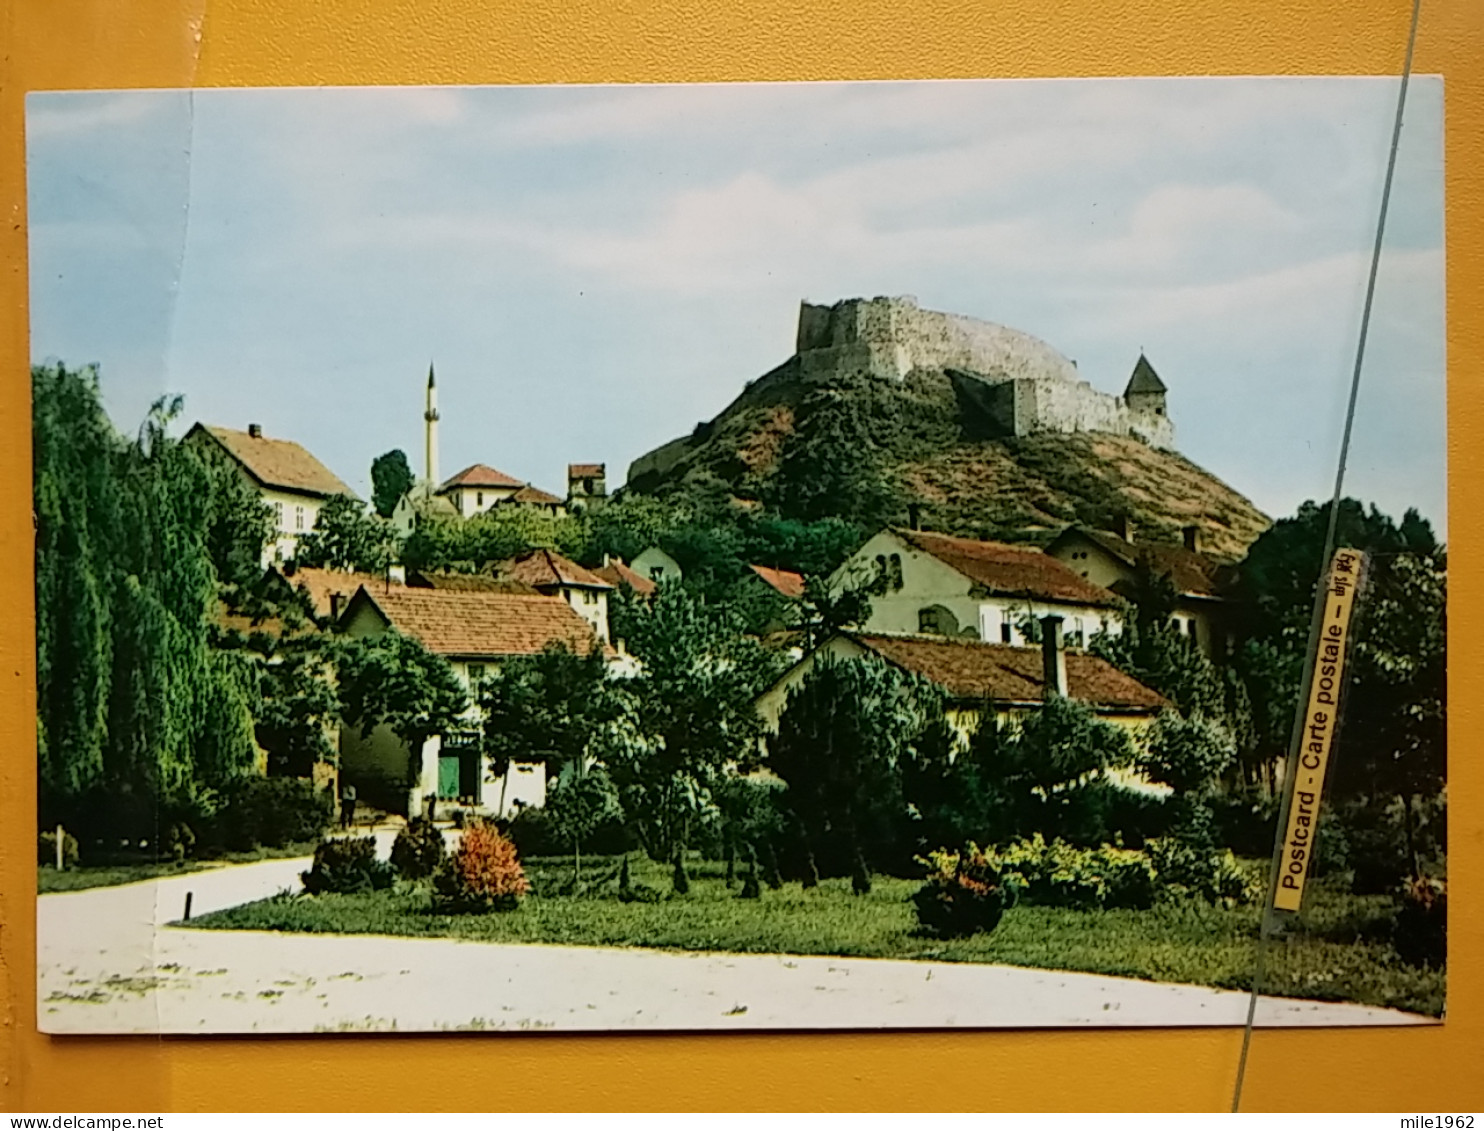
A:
(65, 44)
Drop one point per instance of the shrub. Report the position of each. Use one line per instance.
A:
(46, 849)
(534, 834)
(270, 813)
(962, 895)
(1060, 875)
(1188, 754)
(1421, 932)
(483, 874)
(418, 850)
(347, 865)
(1214, 876)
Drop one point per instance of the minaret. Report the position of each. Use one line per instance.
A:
(430, 433)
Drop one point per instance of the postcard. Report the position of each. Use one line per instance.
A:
(733, 557)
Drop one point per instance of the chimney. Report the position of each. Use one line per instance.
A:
(1192, 536)
(396, 575)
(255, 431)
(1053, 658)
(1123, 526)
(914, 516)
(335, 602)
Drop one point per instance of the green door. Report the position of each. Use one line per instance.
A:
(448, 776)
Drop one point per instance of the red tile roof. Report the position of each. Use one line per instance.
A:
(547, 569)
(586, 470)
(279, 464)
(533, 496)
(480, 475)
(1017, 571)
(620, 576)
(321, 584)
(972, 669)
(786, 581)
(1192, 572)
(467, 583)
(482, 625)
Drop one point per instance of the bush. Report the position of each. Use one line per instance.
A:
(1245, 822)
(483, 874)
(1058, 874)
(1214, 876)
(418, 850)
(269, 813)
(533, 834)
(46, 849)
(1421, 932)
(962, 895)
(536, 834)
(347, 865)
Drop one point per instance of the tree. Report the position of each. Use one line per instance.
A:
(553, 707)
(842, 738)
(393, 680)
(1187, 754)
(391, 478)
(140, 720)
(578, 805)
(690, 715)
(1041, 773)
(1391, 748)
(345, 537)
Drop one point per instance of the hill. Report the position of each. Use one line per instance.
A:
(828, 433)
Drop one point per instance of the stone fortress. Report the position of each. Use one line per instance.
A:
(1017, 380)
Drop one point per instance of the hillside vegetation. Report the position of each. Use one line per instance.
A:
(866, 449)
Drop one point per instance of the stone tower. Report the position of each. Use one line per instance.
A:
(430, 433)
(1145, 391)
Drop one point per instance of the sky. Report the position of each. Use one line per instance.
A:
(594, 270)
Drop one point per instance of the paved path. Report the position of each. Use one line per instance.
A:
(108, 963)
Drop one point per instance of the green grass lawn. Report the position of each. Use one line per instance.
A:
(49, 880)
(1338, 953)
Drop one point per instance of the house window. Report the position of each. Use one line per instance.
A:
(298, 518)
(1004, 632)
(1079, 637)
(656, 573)
(479, 499)
(476, 674)
(278, 516)
(896, 571)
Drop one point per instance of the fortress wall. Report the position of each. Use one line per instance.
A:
(1067, 406)
(900, 336)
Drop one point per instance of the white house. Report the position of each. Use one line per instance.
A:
(656, 565)
(286, 476)
(552, 575)
(1013, 679)
(936, 584)
(474, 631)
(1202, 608)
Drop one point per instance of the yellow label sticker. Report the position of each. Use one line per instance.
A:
(1320, 722)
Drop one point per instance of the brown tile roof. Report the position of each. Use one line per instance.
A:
(547, 569)
(279, 464)
(1010, 570)
(620, 576)
(533, 496)
(454, 623)
(467, 583)
(586, 470)
(480, 475)
(319, 585)
(786, 581)
(972, 669)
(1192, 572)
